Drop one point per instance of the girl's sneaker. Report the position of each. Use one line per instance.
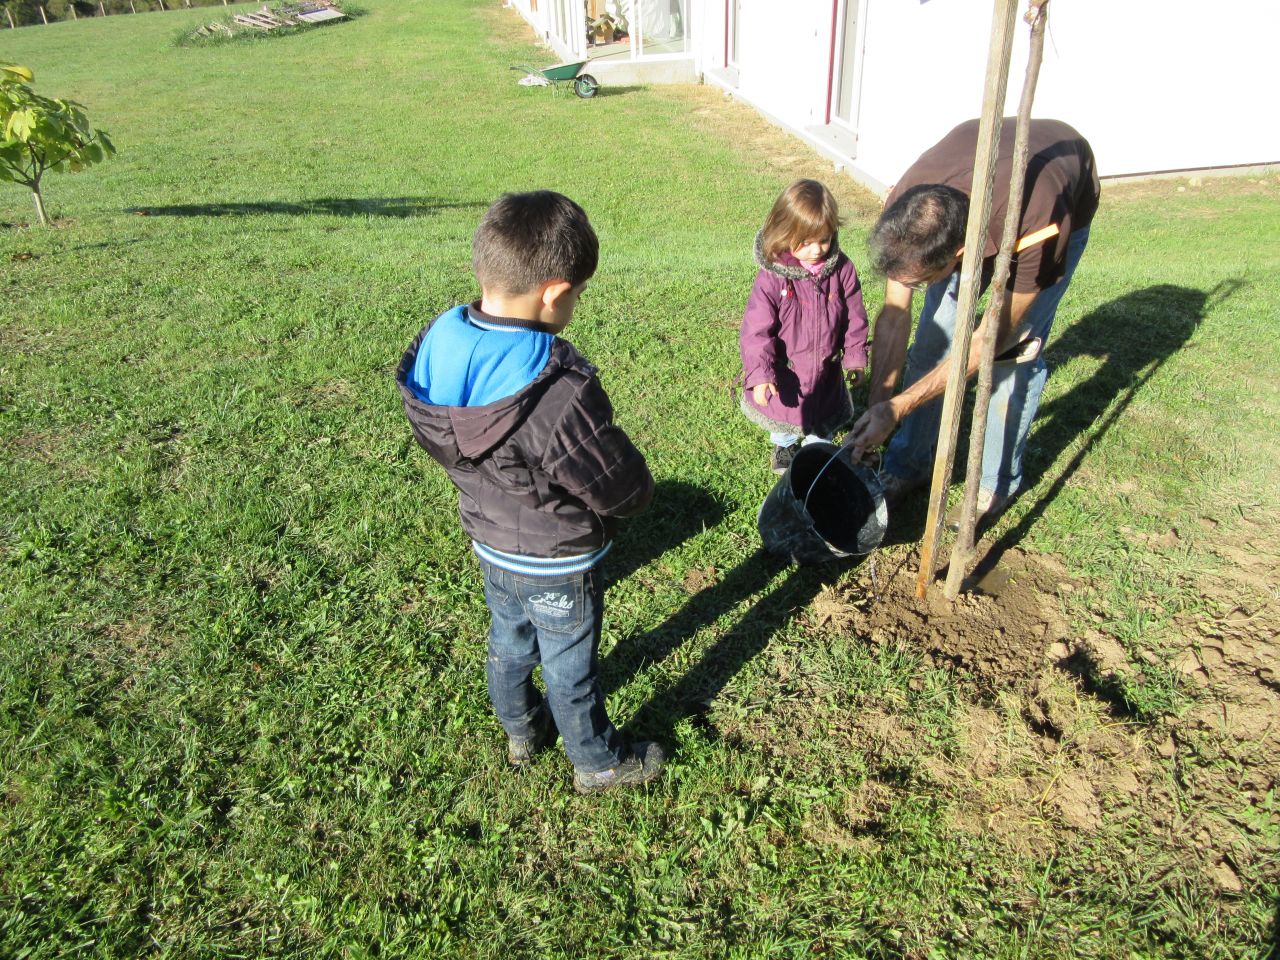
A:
(782, 457)
(643, 764)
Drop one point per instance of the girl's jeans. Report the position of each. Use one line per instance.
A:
(1015, 387)
(787, 439)
(553, 621)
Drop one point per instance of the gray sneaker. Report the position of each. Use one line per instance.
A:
(989, 507)
(781, 458)
(643, 763)
(521, 750)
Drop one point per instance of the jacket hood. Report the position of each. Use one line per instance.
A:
(790, 268)
(477, 430)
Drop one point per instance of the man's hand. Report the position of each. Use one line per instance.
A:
(872, 429)
(762, 391)
(855, 378)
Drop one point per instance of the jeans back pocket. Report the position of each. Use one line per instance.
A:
(552, 603)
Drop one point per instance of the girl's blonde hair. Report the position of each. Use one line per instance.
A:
(804, 211)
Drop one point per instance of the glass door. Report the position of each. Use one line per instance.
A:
(660, 27)
(848, 78)
(733, 13)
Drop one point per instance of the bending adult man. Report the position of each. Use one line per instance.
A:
(917, 244)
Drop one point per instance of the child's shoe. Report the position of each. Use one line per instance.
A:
(782, 457)
(521, 750)
(643, 763)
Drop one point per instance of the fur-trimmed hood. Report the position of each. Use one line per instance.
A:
(795, 270)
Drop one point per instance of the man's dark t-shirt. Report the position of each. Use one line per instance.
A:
(1061, 190)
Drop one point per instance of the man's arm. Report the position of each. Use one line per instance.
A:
(888, 352)
(882, 417)
(889, 346)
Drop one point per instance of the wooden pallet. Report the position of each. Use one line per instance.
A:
(214, 28)
(263, 19)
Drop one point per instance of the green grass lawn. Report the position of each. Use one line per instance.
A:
(242, 704)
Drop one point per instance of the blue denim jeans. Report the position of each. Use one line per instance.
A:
(1015, 387)
(553, 621)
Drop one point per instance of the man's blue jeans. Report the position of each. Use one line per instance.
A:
(553, 621)
(1015, 387)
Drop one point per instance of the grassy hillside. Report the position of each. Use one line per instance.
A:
(242, 704)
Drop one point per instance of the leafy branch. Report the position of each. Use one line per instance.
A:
(39, 134)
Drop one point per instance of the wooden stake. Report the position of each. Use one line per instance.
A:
(101, 9)
(43, 17)
(74, 15)
(975, 239)
(10, 16)
(962, 551)
(162, 6)
(132, 8)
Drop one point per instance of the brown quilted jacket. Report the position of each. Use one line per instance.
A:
(541, 473)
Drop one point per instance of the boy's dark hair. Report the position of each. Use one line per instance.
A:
(920, 232)
(527, 239)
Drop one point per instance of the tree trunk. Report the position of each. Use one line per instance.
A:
(39, 201)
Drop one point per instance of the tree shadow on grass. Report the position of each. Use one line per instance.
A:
(400, 207)
(692, 694)
(1133, 335)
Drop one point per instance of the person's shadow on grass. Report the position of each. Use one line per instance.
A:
(1133, 336)
(692, 694)
(678, 512)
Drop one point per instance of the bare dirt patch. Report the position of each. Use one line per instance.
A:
(999, 634)
(1040, 759)
(698, 579)
(42, 447)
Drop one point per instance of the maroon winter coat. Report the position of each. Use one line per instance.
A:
(799, 332)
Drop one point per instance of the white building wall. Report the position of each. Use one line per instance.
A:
(1175, 85)
(1178, 84)
(783, 57)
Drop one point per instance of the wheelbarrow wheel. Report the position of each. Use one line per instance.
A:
(585, 86)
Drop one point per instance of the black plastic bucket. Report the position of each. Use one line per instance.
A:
(825, 507)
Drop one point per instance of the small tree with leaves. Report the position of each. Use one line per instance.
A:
(39, 134)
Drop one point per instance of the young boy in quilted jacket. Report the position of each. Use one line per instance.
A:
(805, 327)
(520, 422)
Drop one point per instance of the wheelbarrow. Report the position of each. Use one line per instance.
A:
(584, 85)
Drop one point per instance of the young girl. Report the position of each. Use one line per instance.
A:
(804, 324)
